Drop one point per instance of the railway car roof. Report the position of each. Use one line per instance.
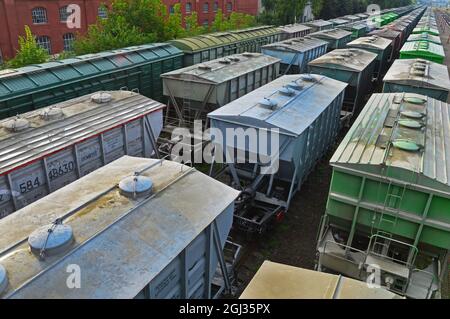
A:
(319, 23)
(278, 281)
(32, 77)
(82, 118)
(120, 243)
(354, 60)
(223, 69)
(419, 73)
(296, 45)
(296, 102)
(373, 42)
(332, 34)
(293, 28)
(402, 130)
(429, 47)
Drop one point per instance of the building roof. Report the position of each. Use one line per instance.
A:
(354, 60)
(381, 135)
(278, 281)
(223, 69)
(372, 42)
(296, 45)
(82, 119)
(419, 73)
(312, 94)
(19, 81)
(120, 243)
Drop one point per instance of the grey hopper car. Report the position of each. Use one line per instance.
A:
(294, 31)
(136, 228)
(418, 76)
(336, 38)
(382, 47)
(394, 36)
(319, 25)
(353, 66)
(44, 150)
(196, 90)
(339, 22)
(296, 53)
(306, 111)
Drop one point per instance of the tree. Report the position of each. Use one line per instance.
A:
(173, 28)
(29, 51)
(192, 26)
(282, 12)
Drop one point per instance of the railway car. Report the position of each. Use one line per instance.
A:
(336, 38)
(425, 37)
(296, 30)
(381, 47)
(423, 50)
(352, 66)
(300, 114)
(352, 18)
(135, 68)
(426, 29)
(339, 22)
(212, 46)
(392, 35)
(296, 53)
(197, 90)
(389, 199)
(357, 29)
(44, 150)
(418, 76)
(319, 25)
(278, 281)
(129, 229)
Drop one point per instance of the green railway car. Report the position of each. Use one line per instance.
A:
(423, 50)
(212, 46)
(388, 208)
(426, 29)
(357, 29)
(134, 68)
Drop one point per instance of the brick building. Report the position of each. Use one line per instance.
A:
(47, 19)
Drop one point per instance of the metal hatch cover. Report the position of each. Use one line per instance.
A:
(406, 145)
(410, 124)
(136, 186)
(415, 100)
(51, 239)
(413, 114)
(3, 279)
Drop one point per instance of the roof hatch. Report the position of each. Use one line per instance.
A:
(51, 239)
(136, 186)
(17, 124)
(3, 279)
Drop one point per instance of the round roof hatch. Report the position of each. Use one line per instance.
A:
(17, 124)
(415, 100)
(410, 124)
(50, 239)
(413, 114)
(52, 113)
(287, 91)
(101, 97)
(268, 103)
(295, 86)
(3, 279)
(406, 145)
(308, 78)
(225, 61)
(136, 186)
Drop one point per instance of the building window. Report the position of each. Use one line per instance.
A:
(216, 6)
(229, 7)
(68, 39)
(44, 42)
(206, 23)
(1, 57)
(102, 12)
(64, 14)
(39, 15)
(206, 7)
(172, 9)
(188, 7)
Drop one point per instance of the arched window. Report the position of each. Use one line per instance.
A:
(44, 42)
(103, 12)
(39, 15)
(188, 7)
(206, 7)
(229, 6)
(68, 39)
(64, 14)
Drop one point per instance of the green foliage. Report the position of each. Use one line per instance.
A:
(29, 52)
(282, 12)
(134, 22)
